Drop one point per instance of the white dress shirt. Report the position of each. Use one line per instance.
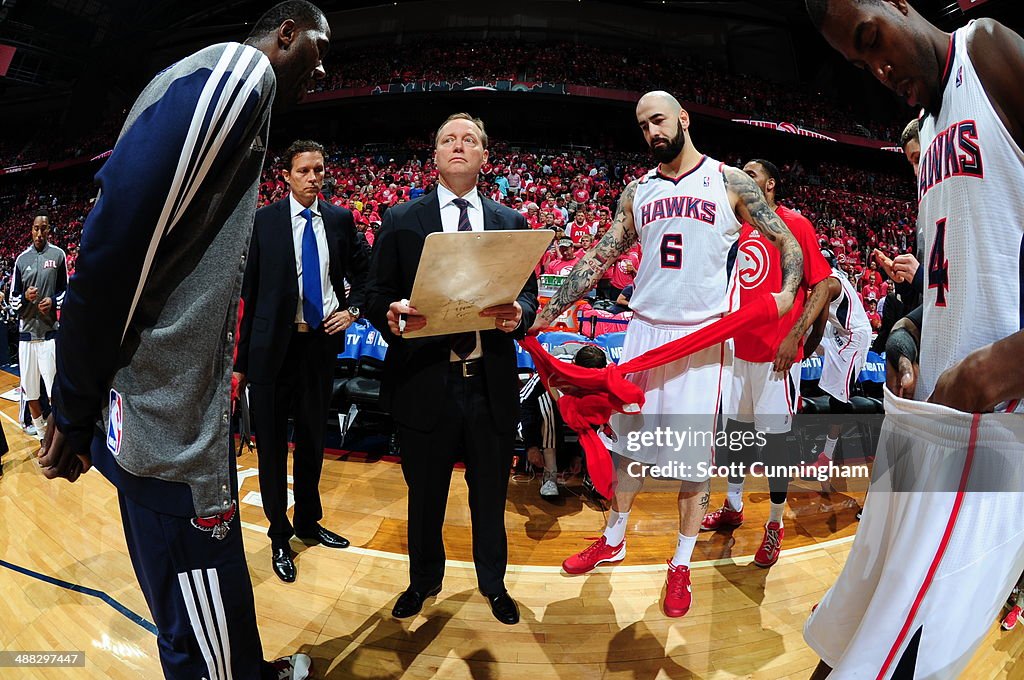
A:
(298, 227)
(450, 222)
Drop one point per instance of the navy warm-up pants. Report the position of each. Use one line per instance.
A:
(194, 576)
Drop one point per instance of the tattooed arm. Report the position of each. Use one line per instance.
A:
(815, 302)
(752, 208)
(619, 238)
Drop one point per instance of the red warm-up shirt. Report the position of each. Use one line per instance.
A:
(761, 274)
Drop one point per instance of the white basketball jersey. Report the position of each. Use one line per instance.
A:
(970, 191)
(846, 313)
(688, 235)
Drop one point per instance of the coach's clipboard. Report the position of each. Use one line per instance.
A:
(462, 273)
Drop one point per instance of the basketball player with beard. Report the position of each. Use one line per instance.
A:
(686, 213)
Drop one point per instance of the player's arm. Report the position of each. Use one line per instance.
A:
(61, 288)
(146, 187)
(752, 208)
(833, 289)
(901, 354)
(816, 274)
(21, 305)
(619, 238)
(998, 55)
(985, 377)
(813, 308)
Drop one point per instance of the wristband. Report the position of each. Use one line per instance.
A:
(901, 343)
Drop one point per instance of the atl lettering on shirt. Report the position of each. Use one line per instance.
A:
(846, 314)
(688, 234)
(760, 273)
(971, 181)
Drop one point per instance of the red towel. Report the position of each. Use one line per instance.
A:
(593, 394)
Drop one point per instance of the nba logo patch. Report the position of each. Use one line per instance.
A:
(115, 423)
(960, 76)
(707, 181)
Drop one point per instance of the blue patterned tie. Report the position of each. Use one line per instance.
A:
(463, 344)
(312, 293)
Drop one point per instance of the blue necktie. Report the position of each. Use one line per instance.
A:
(312, 293)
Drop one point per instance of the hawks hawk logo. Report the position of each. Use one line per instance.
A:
(754, 266)
(219, 525)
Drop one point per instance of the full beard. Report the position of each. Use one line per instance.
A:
(669, 152)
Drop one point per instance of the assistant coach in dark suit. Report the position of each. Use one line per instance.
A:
(450, 395)
(302, 251)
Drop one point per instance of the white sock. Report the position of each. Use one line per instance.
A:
(615, 532)
(830, 446)
(39, 424)
(775, 513)
(734, 497)
(684, 551)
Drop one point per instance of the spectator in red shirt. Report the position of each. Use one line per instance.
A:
(585, 242)
(580, 194)
(533, 216)
(625, 269)
(873, 316)
(580, 226)
(565, 260)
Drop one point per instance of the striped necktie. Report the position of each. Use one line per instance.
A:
(463, 344)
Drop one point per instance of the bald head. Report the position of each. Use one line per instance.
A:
(664, 123)
(662, 101)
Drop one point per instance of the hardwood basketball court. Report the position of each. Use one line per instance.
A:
(66, 583)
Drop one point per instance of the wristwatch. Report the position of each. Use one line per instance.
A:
(354, 311)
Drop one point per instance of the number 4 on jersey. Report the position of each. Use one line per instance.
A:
(938, 265)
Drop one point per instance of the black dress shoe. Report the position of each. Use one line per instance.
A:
(504, 608)
(284, 566)
(326, 538)
(411, 602)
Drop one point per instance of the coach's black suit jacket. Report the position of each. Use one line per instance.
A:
(416, 370)
(443, 416)
(291, 373)
(271, 288)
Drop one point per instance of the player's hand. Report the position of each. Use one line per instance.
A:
(413, 320)
(239, 379)
(506, 317)
(535, 457)
(966, 384)
(31, 294)
(338, 322)
(786, 355)
(905, 266)
(539, 325)
(885, 262)
(45, 304)
(902, 381)
(56, 457)
(784, 301)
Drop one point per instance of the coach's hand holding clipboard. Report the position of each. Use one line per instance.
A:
(469, 281)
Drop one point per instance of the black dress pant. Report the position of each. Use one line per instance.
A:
(302, 390)
(465, 430)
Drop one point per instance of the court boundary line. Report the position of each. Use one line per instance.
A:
(551, 569)
(85, 590)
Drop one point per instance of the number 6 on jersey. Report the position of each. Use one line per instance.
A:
(672, 251)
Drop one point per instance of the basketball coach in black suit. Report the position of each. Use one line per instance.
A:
(452, 395)
(293, 326)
